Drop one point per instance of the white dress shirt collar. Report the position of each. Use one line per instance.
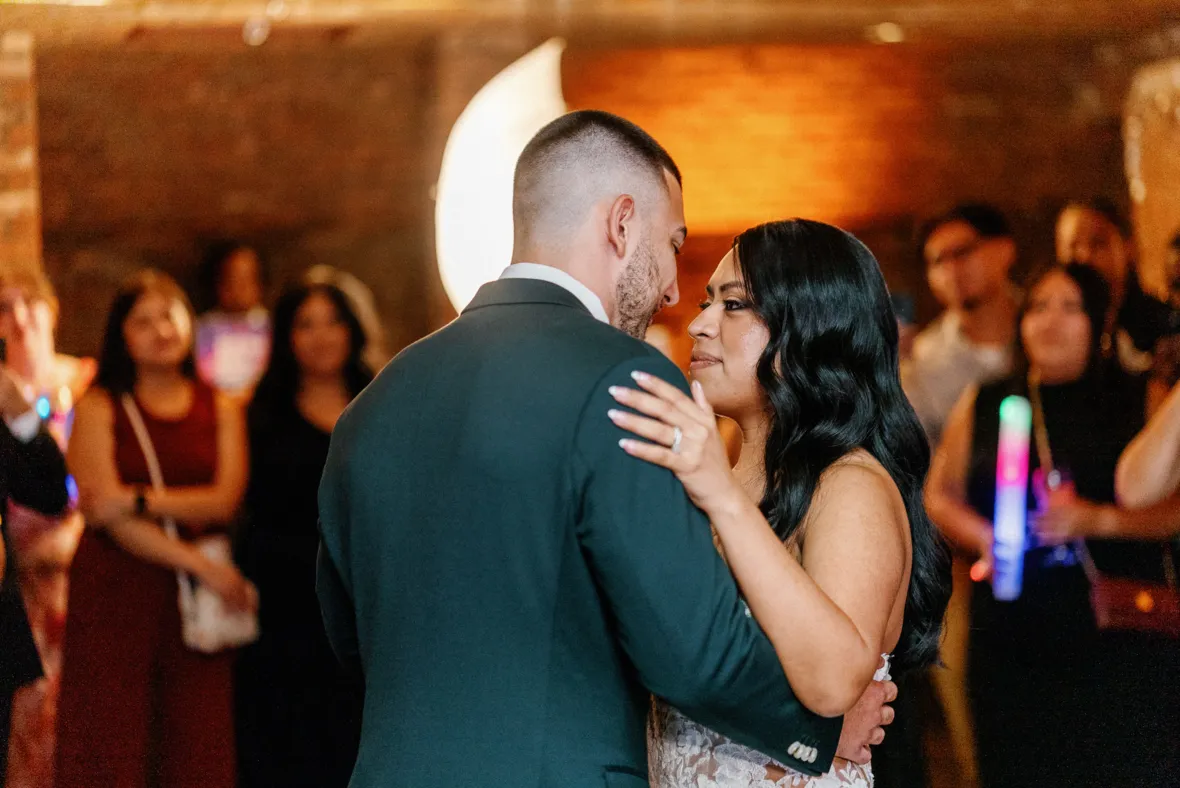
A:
(547, 273)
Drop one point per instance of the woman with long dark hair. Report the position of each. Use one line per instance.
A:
(137, 706)
(298, 711)
(1056, 700)
(822, 519)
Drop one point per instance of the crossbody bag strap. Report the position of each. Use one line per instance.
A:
(183, 581)
(1052, 477)
(149, 455)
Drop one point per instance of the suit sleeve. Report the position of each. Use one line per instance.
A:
(332, 586)
(679, 615)
(37, 472)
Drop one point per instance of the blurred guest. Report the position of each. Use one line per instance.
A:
(33, 475)
(360, 297)
(42, 545)
(233, 338)
(1149, 470)
(1055, 700)
(137, 707)
(1165, 369)
(1094, 232)
(907, 327)
(1172, 272)
(298, 710)
(969, 252)
(28, 320)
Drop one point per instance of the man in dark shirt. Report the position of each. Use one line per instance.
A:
(1094, 233)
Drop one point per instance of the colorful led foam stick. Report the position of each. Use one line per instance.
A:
(1011, 497)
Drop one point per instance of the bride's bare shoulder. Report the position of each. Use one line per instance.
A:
(858, 480)
(858, 467)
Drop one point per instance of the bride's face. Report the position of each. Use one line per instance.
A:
(728, 338)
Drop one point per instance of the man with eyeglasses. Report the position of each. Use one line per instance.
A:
(969, 252)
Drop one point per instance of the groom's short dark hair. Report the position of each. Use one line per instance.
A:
(576, 160)
(592, 123)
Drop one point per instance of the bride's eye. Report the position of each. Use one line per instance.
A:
(704, 305)
(733, 305)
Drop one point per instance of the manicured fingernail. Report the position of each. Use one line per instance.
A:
(615, 415)
(696, 385)
(619, 392)
(640, 376)
(625, 444)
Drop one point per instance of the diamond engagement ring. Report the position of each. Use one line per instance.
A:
(677, 436)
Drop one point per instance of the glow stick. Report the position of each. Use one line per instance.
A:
(1011, 497)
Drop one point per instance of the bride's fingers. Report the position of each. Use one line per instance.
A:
(653, 453)
(698, 396)
(644, 427)
(670, 394)
(649, 405)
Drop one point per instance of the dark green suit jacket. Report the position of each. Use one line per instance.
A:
(512, 583)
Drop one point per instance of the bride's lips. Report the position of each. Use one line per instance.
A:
(702, 360)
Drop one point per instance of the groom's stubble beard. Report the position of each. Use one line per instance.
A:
(637, 293)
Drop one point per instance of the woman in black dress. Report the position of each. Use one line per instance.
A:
(1056, 701)
(298, 711)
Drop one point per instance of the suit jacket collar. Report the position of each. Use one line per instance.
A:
(504, 292)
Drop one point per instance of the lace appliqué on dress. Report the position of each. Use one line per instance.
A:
(684, 754)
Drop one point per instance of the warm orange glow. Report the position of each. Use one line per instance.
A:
(769, 132)
(1144, 602)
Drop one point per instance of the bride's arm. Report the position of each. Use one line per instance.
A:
(826, 617)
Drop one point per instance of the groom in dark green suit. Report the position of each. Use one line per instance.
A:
(512, 584)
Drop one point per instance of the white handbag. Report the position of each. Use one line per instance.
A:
(207, 624)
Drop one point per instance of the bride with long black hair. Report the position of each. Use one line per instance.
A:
(821, 520)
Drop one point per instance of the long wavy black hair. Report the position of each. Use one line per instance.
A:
(277, 390)
(830, 373)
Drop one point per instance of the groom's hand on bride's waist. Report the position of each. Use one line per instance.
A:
(864, 724)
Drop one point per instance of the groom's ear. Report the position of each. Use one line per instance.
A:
(620, 224)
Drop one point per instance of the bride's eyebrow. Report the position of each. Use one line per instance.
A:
(727, 286)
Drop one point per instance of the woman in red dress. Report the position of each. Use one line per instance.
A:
(137, 707)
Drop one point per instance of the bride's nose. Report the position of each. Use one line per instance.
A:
(704, 326)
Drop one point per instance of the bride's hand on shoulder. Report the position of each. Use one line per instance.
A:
(683, 436)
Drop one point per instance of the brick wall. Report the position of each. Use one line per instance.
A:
(20, 216)
(873, 138)
(323, 149)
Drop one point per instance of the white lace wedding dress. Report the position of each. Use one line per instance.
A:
(684, 754)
